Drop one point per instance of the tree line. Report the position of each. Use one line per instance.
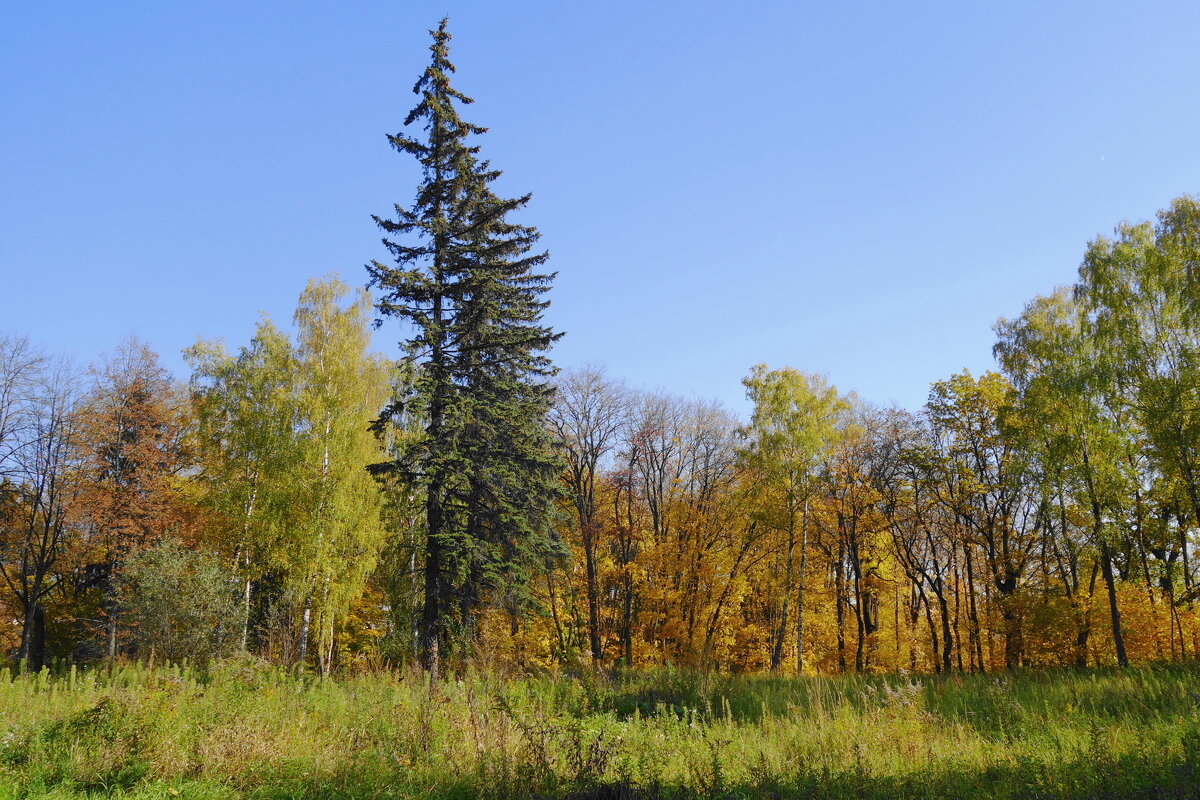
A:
(139, 512)
(1042, 514)
(308, 501)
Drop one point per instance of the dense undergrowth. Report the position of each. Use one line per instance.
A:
(243, 729)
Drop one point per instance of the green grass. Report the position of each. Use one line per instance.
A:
(246, 730)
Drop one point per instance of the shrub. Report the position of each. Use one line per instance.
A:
(180, 603)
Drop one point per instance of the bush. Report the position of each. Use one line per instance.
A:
(180, 604)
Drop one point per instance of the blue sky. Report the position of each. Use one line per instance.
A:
(858, 189)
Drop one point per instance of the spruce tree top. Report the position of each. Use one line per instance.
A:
(455, 245)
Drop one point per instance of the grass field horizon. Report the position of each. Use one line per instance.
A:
(245, 729)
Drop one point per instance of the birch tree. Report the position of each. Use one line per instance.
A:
(793, 423)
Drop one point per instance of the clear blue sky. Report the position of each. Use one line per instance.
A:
(858, 189)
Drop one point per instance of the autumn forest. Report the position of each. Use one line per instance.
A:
(306, 500)
(1044, 514)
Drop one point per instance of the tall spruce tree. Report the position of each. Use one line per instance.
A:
(466, 279)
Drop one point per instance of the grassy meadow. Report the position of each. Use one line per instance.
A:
(247, 730)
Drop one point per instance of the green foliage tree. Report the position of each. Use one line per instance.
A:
(284, 435)
(1074, 443)
(794, 422)
(465, 278)
(245, 433)
(337, 530)
(1142, 299)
